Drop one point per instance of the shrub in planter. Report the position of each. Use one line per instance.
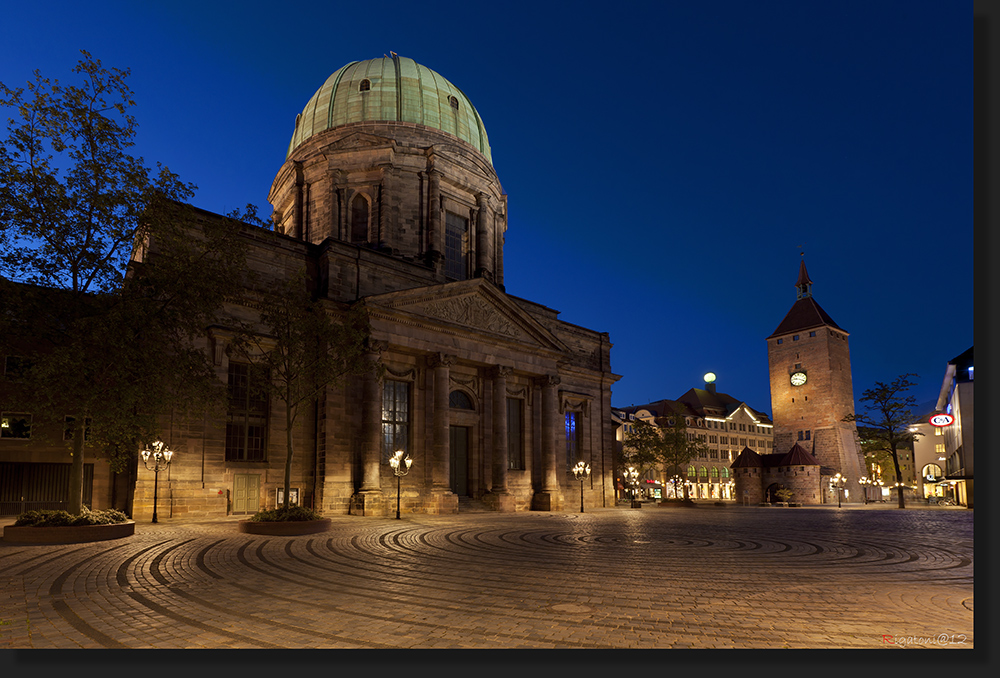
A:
(59, 518)
(281, 514)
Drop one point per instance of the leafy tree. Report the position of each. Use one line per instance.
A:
(101, 275)
(643, 447)
(301, 350)
(886, 420)
(678, 448)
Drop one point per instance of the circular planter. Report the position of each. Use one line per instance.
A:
(285, 528)
(67, 534)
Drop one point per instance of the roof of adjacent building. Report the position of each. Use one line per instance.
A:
(397, 89)
(698, 402)
(797, 456)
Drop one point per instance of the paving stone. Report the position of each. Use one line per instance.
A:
(702, 578)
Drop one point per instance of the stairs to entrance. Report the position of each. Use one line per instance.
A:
(470, 505)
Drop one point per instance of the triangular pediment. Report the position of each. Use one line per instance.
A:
(475, 305)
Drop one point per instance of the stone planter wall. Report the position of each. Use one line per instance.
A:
(68, 534)
(286, 528)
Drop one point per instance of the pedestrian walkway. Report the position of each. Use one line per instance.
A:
(617, 578)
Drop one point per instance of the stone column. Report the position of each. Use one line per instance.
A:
(369, 500)
(500, 374)
(434, 233)
(498, 498)
(484, 239)
(547, 499)
(441, 474)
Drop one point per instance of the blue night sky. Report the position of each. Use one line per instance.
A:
(665, 162)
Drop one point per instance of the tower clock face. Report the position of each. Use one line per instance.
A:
(798, 378)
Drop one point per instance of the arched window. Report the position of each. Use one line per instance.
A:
(366, 85)
(359, 219)
(703, 472)
(715, 472)
(454, 102)
(458, 400)
(692, 472)
(725, 472)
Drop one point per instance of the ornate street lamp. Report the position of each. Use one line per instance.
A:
(838, 481)
(581, 471)
(632, 475)
(400, 467)
(161, 455)
(865, 482)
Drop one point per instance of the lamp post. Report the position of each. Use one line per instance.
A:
(581, 471)
(400, 467)
(161, 455)
(838, 481)
(632, 475)
(864, 482)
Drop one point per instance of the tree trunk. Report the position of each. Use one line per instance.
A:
(899, 479)
(76, 470)
(289, 419)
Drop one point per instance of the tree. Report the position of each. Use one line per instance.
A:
(679, 448)
(886, 420)
(643, 447)
(300, 350)
(101, 277)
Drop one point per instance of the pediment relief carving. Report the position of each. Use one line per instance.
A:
(472, 311)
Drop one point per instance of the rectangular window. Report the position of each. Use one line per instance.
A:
(68, 428)
(807, 434)
(455, 234)
(713, 454)
(15, 425)
(15, 367)
(246, 419)
(515, 434)
(812, 334)
(395, 417)
(572, 439)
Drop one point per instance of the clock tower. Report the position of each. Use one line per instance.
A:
(811, 390)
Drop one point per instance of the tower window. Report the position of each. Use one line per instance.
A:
(365, 86)
(359, 219)
(455, 235)
(795, 337)
(780, 340)
(812, 334)
(454, 102)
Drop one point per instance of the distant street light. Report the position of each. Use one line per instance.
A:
(400, 467)
(632, 476)
(161, 455)
(865, 482)
(581, 471)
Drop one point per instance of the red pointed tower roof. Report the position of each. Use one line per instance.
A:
(805, 312)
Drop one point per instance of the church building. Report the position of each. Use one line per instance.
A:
(388, 198)
(811, 394)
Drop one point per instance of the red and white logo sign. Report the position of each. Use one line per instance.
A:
(941, 420)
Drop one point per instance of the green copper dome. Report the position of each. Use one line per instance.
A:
(391, 88)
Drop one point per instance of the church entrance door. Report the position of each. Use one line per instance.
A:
(458, 444)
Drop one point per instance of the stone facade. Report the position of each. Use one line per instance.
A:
(493, 397)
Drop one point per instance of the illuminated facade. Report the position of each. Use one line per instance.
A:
(388, 198)
(956, 399)
(811, 389)
(725, 425)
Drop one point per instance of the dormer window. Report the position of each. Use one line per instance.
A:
(454, 102)
(366, 85)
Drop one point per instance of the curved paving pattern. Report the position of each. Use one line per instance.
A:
(615, 578)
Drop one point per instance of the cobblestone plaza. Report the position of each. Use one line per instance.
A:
(656, 578)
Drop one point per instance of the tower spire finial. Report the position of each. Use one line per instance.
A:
(803, 284)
